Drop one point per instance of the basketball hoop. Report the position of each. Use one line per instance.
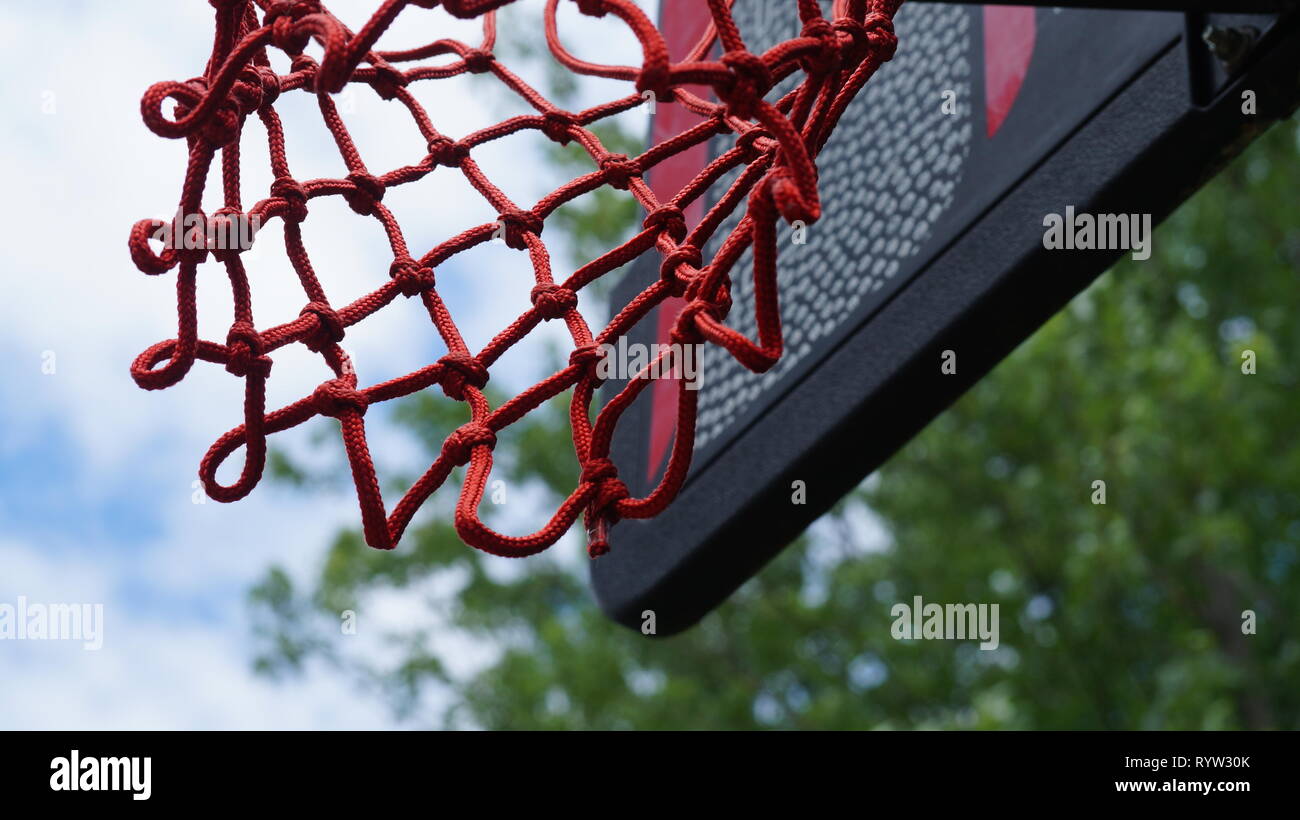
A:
(776, 144)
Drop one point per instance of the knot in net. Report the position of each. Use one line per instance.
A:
(720, 80)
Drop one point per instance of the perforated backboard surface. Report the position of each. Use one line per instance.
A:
(935, 186)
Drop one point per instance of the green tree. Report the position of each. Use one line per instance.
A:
(1127, 614)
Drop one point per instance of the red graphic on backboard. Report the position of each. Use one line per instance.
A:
(682, 27)
(1009, 35)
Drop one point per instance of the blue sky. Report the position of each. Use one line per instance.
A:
(96, 475)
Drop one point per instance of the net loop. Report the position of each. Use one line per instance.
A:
(459, 446)
(587, 357)
(283, 17)
(757, 143)
(339, 398)
(189, 239)
(670, 271)
(446, 151)
(602, 512)
(828, 52)
(257, 89)
(143, 255)
(305, 65)
(517, 225)
(329, 328)
(294, 198)
(878, 29)
(786, 188)
(619, 170)
(553, 301)
(669, 219)
(656, 78)
(387, 81)
(411, 277)
(223, 237)
(478, 61)
(367, 193)
(558, 126)
(461, 370)
(750, 80)
(244, 351)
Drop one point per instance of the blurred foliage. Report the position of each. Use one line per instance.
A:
(1123, 615)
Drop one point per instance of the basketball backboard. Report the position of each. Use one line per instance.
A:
(935, 189)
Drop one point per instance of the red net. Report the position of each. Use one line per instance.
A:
(776, 143)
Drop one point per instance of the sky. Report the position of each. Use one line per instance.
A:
(98, 501)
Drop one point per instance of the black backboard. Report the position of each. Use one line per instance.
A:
(936, 185)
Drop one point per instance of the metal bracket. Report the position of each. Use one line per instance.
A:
(1219, 48)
